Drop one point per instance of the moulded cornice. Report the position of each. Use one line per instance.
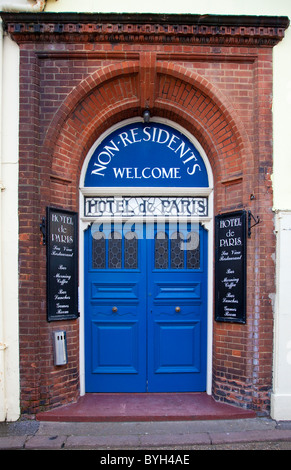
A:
(259, 31)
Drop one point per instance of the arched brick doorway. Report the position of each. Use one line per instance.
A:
(181, 95)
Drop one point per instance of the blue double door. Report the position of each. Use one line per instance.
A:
(145, 308)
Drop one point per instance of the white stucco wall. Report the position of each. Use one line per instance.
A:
(281, 396)
(9, 338)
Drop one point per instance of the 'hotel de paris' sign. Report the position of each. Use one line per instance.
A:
(146, 155)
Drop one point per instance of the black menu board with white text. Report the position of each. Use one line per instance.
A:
(62, 264)
(230, 267)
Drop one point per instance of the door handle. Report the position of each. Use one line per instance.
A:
(177, 309)
(114, 309)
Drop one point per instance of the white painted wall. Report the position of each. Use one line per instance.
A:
(9, 119)
(281, 396)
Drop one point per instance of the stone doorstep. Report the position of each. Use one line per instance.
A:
(141, 441)
(12, 442)
(250, 436)
(145, 441)
(45, 442)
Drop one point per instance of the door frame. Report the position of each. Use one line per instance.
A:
(207, 223)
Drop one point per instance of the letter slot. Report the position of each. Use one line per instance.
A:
(60, 348)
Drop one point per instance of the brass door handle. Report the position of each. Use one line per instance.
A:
(177, 309)
(114, 309)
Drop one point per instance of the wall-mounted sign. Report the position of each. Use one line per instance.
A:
(146, 206)
(152, 154)
(62, 265)
(230, 267)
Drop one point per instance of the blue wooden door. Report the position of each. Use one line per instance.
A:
(115, 310)
(177, 309)
(145, 308)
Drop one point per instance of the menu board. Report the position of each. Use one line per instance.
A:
(230, 267)
(62, 265)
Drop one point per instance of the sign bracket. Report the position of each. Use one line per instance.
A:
(257, 221)
(43, 230)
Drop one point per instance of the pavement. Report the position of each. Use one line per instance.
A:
(259, 433)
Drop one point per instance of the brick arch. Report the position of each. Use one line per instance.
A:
(208, 114)
(83, 90)
(109, 91)
(115, 92)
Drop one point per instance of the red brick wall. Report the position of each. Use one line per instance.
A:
(71, 92)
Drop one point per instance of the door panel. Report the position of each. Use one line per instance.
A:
(115, 311)
(177, 310)
(122, 356)
(146, 309)
(171, 359)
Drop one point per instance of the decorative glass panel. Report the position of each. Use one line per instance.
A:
(177, 251)
(114, 251)
(193, 251)
(98, 251)
(161, 250)
(130, 250)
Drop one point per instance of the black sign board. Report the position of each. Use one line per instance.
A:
(62, 264)
(230, 267)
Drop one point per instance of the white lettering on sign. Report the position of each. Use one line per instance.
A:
(147, 172)
(230, 239)
(147, 134)
(146, 206)
(62, 227)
